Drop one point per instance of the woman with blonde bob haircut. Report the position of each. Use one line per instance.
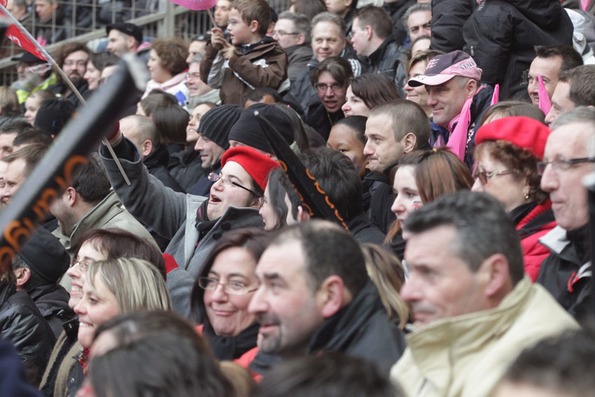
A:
(114, 287)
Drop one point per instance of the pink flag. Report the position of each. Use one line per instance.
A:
(495, 95)
(19, 35)
(196, 5)
(545, 104)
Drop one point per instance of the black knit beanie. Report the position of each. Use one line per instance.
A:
(248, 131)
(216, 123)
(45, 255)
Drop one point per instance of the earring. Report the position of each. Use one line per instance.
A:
(527, 196)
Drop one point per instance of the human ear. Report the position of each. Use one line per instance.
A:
(331, 295)
(496, 276)
(409, 142)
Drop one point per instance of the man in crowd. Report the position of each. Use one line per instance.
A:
(33, 73)
(72, 57)
(315, 295)
(576, 87)
(292, 31)
(473, 307)
(456, 97)
(567, 159)
(548, 63)
(392, 130)
(19, 166)
(123, 38)
(372, 39)
(418, 20)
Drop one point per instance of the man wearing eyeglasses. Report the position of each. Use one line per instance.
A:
(72, 58)
(567, 159)
(192, 223)
(292, 32)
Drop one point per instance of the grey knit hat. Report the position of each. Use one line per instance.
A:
(216, 123)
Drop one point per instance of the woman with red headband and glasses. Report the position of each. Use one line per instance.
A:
(507, 153)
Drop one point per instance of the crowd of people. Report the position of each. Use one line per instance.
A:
(334, 199)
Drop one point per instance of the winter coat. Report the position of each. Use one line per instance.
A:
(260, 65)
(52, 302)
(63, 364)
(174, 216)
(385, 60)
(530, 227)
(361, 329)
(156, 163)
(566, 273)
(23, 325)
(448, 18)
(12, 376)
(185, 167)
(364, 231)
(465, 356)
(107, 213)
(501, 36)
(298, 57)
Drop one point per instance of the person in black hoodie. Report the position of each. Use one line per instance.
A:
(501, 36)
(38, 268)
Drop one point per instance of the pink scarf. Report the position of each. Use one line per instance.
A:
(545, 104)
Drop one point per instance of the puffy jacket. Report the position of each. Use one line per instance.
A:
(448, 16)
(22, 324)
(501, 36)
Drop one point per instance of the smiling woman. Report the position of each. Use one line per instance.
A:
(221, 295)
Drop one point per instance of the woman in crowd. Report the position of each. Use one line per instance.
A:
(113, 287)
(222, 293)
(422, 177)
(506, 156)
(96, 245)
(331, 79)
(281, 205)
(366, 92)
(151, 353)
(97, 62)
(511, 109)
(195, 115)
(167, 65)
(34, 102)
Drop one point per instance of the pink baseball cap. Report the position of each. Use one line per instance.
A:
(444, 67)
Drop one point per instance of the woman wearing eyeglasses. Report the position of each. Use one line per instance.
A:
(507, 153)
(222, 293)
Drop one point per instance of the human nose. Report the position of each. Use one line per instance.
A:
(397, 205)
(346, 107)
(368, 150)
(219, 293)
(81, 307)
(549, 179)
(198, 146)
(551, 116)
(431, 99)
(258, 304)
(410, 292)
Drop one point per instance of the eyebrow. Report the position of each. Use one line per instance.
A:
(230, 275)
(272, 276)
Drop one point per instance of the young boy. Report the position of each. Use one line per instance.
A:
(252, 60)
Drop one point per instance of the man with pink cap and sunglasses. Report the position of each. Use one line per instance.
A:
(457, 99)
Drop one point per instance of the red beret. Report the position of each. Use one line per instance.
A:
(524, 132)
(255, 163)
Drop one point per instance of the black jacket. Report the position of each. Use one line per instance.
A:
(566, 273)
(385, 60)
(156, 163)
(298, 57)
(185, 167)
(448, 17)
(501, 36)
(23, 325)
(381, 199)
(52, 302)
(362, 329)
(364, 231)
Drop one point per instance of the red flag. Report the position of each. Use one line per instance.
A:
(196, 5)
(19, 35)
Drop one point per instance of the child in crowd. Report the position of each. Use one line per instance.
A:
(252, 60)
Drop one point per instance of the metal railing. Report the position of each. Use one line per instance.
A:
(160, 18)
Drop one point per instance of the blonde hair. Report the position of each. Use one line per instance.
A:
(387, 274)
(136, 284)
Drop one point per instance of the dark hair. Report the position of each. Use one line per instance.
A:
(337, 67)
(357, 124)
(310, 8)
(258, 94)
(156, 353)
(171, 123)
(337, 176)
(517, 159)
(377, 18)
(64, 50)
(157, 99)
(173, 53)
(561, 364)
(330, 374)
(406, 116)
(422, 56)
(570, 58)
(279, 185)
(328, 250)
(374, 89)
(253, 240)
(90, 181)
(297, 126)
(32, 135)
(103, 59)
(254, 10)
(118, 243)
(512, 109)
(482, 225)
(14, 126)
(329, 17)
(581, 82)
(31, 154)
